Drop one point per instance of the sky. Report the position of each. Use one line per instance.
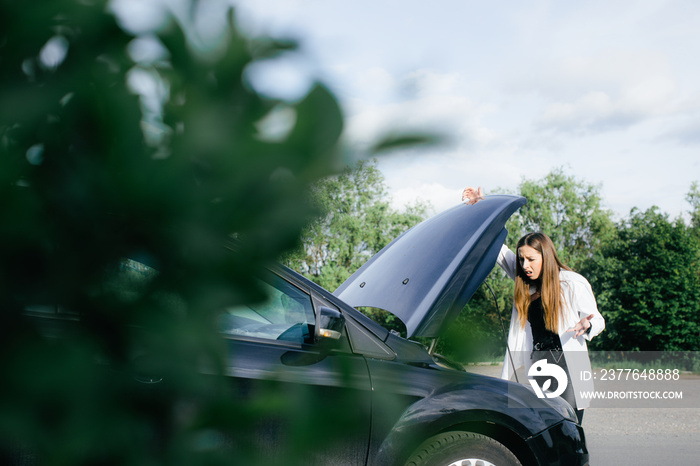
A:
(607, 91)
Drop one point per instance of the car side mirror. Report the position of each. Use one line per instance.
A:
(329, 324)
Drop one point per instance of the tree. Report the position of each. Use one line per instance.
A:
(356, 223)
(568, 210)
(647, 285)
(89, 174)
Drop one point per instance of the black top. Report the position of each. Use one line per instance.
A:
(542, 339)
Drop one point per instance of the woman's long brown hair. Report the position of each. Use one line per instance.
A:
(547, 283)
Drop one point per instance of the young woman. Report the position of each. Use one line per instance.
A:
(554, 312)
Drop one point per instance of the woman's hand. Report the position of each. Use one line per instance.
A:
(471, 195)
(582, 326)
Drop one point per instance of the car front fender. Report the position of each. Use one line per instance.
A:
(494, 407)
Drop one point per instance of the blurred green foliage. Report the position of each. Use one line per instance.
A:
(90, 172)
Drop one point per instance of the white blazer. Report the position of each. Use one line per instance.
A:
(578, 303)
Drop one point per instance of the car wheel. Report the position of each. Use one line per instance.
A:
(462, 449)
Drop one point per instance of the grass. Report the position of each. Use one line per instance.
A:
(683, 361)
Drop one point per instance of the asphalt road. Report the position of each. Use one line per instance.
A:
(619, 436)
(624, 436)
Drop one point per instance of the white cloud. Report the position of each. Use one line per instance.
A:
(593, 112)
(376, 81)
(426, 82)
(439, 196)
(602, 91)
(684, 132)
(427, 101)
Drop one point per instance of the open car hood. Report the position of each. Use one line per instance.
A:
(426, 276)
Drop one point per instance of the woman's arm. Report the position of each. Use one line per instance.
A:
(506, 260)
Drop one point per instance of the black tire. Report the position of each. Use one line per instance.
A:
(462, 449)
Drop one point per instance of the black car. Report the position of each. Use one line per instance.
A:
(407, 407)
(373, 397)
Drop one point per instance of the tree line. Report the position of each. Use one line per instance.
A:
(644, 269)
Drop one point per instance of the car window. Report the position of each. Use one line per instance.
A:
(129, 280)
(286, 315)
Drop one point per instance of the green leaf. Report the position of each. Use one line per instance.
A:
(404, 141)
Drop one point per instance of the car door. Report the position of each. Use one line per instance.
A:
(302, 398)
